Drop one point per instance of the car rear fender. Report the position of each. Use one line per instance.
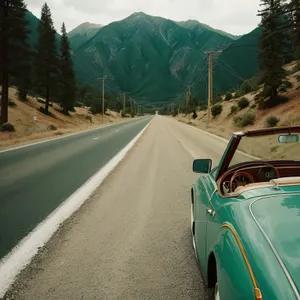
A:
(234, 274)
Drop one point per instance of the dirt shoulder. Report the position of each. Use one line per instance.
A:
(32, 125)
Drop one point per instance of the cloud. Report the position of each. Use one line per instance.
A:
(234, 16)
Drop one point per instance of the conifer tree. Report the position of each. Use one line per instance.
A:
(13, 34)
(46, 57)
(273, 45)
(68, 87)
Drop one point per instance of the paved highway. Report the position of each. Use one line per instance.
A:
(132, 239)
(36, 179)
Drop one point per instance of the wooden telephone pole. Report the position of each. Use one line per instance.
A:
(211, 55)
(103, 95)
(124, 104)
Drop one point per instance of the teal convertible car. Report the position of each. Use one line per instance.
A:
(245, 217)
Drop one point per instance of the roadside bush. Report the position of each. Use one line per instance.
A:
(123, 114)
(233, 109)
(245, 120)
(52, 127)
(272, 121)
(228, 96)
(194, 116)
(216, 110)
(7, 127)
(175, 113)
(286, 85)
(253, 106)
(203, 107)
(243, 103)
(11, 103)
(89, 118)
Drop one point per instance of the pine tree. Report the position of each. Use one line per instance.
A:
(13, 33)
(68, 86)
(273, 45)
(295, 9)
(46, 57)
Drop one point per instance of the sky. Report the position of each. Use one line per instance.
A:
(233, 16)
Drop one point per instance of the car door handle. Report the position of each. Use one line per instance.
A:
(211, 212)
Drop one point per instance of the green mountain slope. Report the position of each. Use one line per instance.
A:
(240, 61)
(82, 33)
(155, 59)
(148, 57)
(33, 23)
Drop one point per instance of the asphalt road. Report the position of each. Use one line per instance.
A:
(36, 179)
(132, 239)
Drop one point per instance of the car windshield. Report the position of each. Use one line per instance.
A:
(266, 147)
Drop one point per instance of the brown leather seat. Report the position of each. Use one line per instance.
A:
(284, 181)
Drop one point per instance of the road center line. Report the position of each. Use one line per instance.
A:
(97, 138)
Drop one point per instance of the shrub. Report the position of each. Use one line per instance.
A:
(228, 96)
(40, 100)
(245, 120)
(52, 127)
(89, 118)
(233, 109)
(216, 109)
(22, 94)
(272, 121)
(194, 116)
(79, 104)
(123, 114)
(253, 106)
(175, 113)
(203, 107)
(243, 103)
(11, 103)
(7, 127)
(286, 85)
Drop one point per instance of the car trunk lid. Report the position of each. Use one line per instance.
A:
(278, 216)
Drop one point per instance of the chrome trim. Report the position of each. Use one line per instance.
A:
(285, 270)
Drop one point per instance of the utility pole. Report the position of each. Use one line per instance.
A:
(124, 107)
(188, 95)
(211, 55)
(103, 95)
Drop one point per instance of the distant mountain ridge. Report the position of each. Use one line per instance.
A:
(155, 58)
(82, 33)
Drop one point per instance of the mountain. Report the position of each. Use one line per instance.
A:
(194, 24)
(33, 23)
(240, 61)
(148, 57)
(82, 33)
(155, 58)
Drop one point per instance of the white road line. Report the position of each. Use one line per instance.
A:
(117, 130)
(97, 138)
(13, 263)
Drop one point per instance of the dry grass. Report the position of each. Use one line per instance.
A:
(22, 117)
(223, 125)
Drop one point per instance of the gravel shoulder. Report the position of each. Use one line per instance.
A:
(131, 239)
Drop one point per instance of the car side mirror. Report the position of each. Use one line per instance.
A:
(289, 138)
(202, 166)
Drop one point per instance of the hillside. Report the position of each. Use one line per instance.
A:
(21, 115)
(240, 61)
(154, 59)
(223, 125)
(82, 33)
(147, 56)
